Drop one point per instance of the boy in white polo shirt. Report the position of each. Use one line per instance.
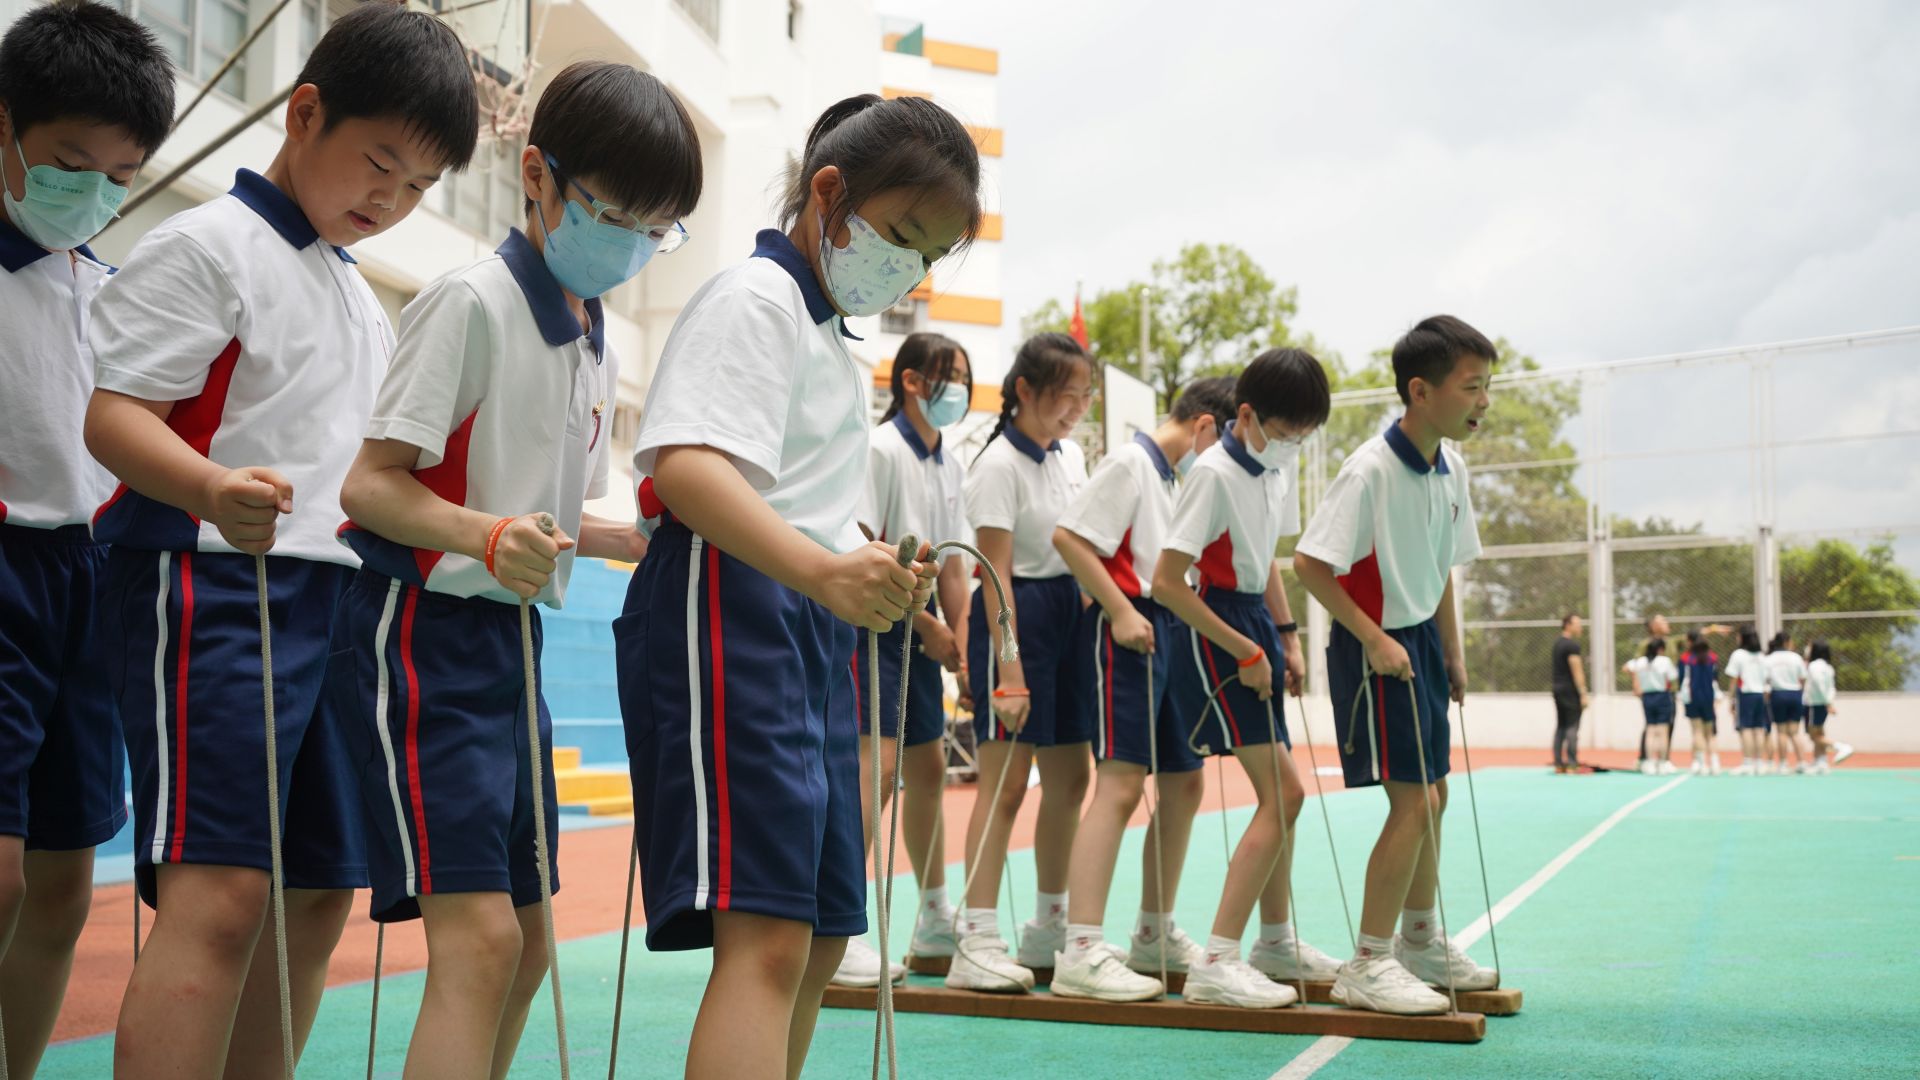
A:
(237, 358)
(1379, 555)
(1240, 499)
(1110, 537)
(86, 94)
(492, 413)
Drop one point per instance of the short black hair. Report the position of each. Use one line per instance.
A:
(624, 128)
(1287, 385)
(1429, 351)
(1820, 651)
(1567, 619)
(1749, 639)
(1207, 397)
(81, 60)
(1655, 647)
(1780, 641)
(879, 145)
(381, 61)
(933, 356)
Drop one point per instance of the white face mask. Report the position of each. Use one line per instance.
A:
(1278, 452)
(946, 409)
(1186, 462)
(870, 274)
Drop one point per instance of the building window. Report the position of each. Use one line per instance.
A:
(199, 34)
(487, 198)
(905, 317)
(705, 13)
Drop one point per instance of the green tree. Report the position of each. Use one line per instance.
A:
(1833, 575)
(1213, 308)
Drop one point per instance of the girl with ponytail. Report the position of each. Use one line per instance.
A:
(914, 485)
(1017, 489)
(735, 646)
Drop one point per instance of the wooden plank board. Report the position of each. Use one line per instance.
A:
(1464, 1027)
(1503, 1001)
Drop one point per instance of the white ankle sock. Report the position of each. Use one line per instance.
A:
(1368, 947)
(1221, 948)
(934, 901)
(1279, 933)
(1049, 907)
(1151, 924)
(984, 920)
(1418, 927)
(1080, 938)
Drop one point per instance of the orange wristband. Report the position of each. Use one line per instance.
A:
(1258, 654)
(493, 540)
(1014, 692)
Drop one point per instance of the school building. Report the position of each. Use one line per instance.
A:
(754, 74)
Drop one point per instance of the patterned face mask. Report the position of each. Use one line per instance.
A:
(870, 274)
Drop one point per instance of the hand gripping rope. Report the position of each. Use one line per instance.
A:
(537, 771)
(1212, 704)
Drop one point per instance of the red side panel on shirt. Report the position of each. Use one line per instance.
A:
(447, 480)
(1120, 566)
(1216, 563)
(1363, 584)
(650, 504)
(195, 419)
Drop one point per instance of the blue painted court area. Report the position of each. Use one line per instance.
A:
(1724, 927)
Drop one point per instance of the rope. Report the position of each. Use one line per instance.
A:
(277, 883)
(1478, 847)
(1154, 824)
(1433, 836)
(546, 524)
(620, 981)
(373, 1020)
(893, 817)
(1280, 815)
(1320, 796)
(1009, 652)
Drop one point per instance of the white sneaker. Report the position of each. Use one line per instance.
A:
(1646, 768)
(934, 936)
(1696, 768)
(861, 966)
(1182, 953)
(1039, 941)
(1381, 984)
(1101, 973)
(1713, 765)
(1228, 981)
(1667, 768)
(980, 962)
(1841, 752)
(1429, 964)
(1276, 962)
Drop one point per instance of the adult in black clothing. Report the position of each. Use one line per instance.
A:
(1570, 697)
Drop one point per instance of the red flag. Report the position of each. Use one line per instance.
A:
(1078, 328)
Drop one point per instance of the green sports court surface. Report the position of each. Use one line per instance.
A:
(1665, 926)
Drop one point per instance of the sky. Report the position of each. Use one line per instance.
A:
(1591, 181)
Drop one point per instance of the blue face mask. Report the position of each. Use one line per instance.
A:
(588, 257)
(947, 409)
(62, 210)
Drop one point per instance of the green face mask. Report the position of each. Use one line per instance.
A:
(62, 210)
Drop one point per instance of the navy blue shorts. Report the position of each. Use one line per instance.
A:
(737, 695)
(926, 690)
(1698, 711)
(61, 759)
(180, 632)
(1045, 613)
(1787, 707)
(1109, 688)
(1817, 716)
(1658, 706)
(433, 693)
(1237, 717)
(1753, 713)
(1375, 721)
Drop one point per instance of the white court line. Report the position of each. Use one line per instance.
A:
(1327, 1047)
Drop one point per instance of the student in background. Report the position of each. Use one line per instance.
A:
(1821, 691)
(1699, 691)
(1570, 698)
(1747, 679)
(1655, 676)
(1787, 679)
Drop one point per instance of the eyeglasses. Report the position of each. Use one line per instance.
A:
(667, 238)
